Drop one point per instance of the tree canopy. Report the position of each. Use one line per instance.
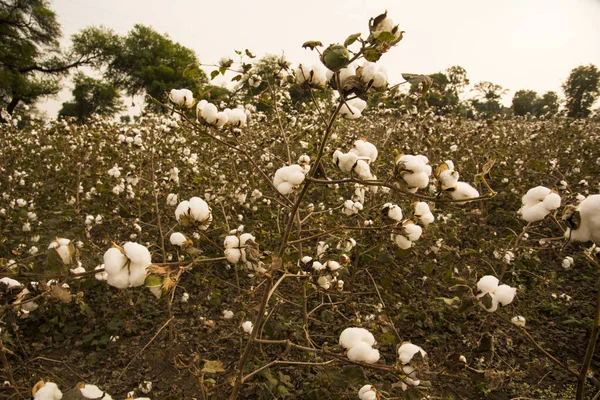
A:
(582, 89)
(91, 97)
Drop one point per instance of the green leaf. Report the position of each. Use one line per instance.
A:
(415, 79)
(312, 44)
(351, 39)
(236, 78)
(448, 300)
(222, 70)
(214, 74)
(250, 54)
(212, 367)
(385, 36)
(192, 71)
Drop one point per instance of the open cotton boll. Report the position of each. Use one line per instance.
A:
(412, 231)
(199, 209)
(64, 248)
(421, 208)
(533, 213)
(365, 149)
(101, 276)
(411, 164)
(244, 237)
(487, 284)
(178, 239)
(11, 283)
(302, 74)
(199, 107)
(222, 119)
(182, 210)
(402, 241)
(448, 179)
(362, 170)
(589, 227)
(49, 391)
(324, 281)
(535, 195)
(363, 352)
(552, 201)
(392, 211)
(350, 337)
(464, 191)
(247, 326)
(137, 274)
(286, 178)
(92, 392)
(518, 320)
(567, 262)
(407, 351)
(367, 392)
(114, 260)
(237, 117)
(345, 162)
(228, 314)
(209, 113)
(182, 97)
(505, 294)
(233, 255)
(231, 241)
(350, 112)
(137, 253)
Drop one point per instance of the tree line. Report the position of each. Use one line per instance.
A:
(33, 66)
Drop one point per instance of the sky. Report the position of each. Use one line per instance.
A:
(518, 44)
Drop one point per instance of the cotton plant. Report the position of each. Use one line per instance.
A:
(194, 212)
(359, 343)
(538, 202)
(126, 266)
(583, 220)
(491, 294)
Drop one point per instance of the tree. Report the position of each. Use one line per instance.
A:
(91, 96)
(524, 102)
(582, 88)
(31, 62)
(151, 63)
(487, 101)
(547, 104)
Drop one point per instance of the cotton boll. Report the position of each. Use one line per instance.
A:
(402, 241)
(350, 337)
(493, 301)
(209, 113)
(137, 253)
(324, 281)
(427, 219)
(367, 392)
(407, 351)
(182, 210)
(464, 191)
(589, 228)
(199, 209)
(365, 149)
(233, 255)
(413, 232)
(247, 327)
(101, 276)
(345, 162)
(535, 195)
(487, 284)
(91, 392)
(505, 294)
(518, 320)
(200, 107)
(393, 211)
(178, 239)
(448, 179)
(231, 241)
(137, 274)
(11, 283)
(552, 201)
(227, 314)
(49, 391)
(222, 119)
(362, 170)
(285, 188)
(567, 262)
(533, 213)
(114, 260)
(362, 352)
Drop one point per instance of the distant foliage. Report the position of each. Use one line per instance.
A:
(582, 89)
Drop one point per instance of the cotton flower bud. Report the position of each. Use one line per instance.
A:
(407, 351)
(247, 327)
(335, 57)
(182, 98)
(518, 320)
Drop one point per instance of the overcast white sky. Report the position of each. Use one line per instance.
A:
(519, 44)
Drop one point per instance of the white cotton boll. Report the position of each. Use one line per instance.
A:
(385, 25)
(519, 320)
(380, 80)
(245, 237)
(345, 162)
(494, 305)
(362, 170)
(199, 209)
(172, 199)
(114, 260)
(413, 232)
(350, 337)
(365, 393)
(200, 107)
(91, 392)
(101, 276)
(487, 284)
(178, 239)
(589, 229)
(533, 213)
(49, 391)
(302, 74)
(407, 351)
(11, 283)
(422, 208)
(222, 119)
(552, 201)
(448, 179)
(78, 270)
(365, 149)
(285, 188)
(402, 241)
(535, 195)
(137, 274)
(505, 294)
(231, 241)
(233, 255)
(393, 211)
(362, 352)
(416, 180)
(427, 219)
(350, 112)
(237, 117)
(209, 113)
(228, 314)
(137, 253)
(357, 103)
(567, 262)
(119, 279)
(182, 210)
(247, 327)
(287, 177)
(333, 265)
(61, 245)
(464, 191)
(324, 281)
(411, 164)
(347, 72)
